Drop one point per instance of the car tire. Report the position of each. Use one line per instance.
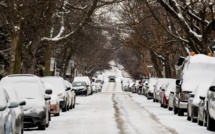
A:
(188, 117)
(204, 119)
(47, 125)
(42, 127)
(175, 110)
(210, 123)
(64, 109)
(169, 108)
(161, 104)
(192, 119)
(200, 123)
(153, 100)
(86, 94)
(180, 112)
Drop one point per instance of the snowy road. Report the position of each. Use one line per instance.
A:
(115, 112)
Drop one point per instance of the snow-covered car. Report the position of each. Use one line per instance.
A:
(131, 86)
(18, 111)
(31, 89)
(54, 102)
(157, 90)
(210, 107)
(125, 84)
(81, 87)
(137, 84)
(152, 83)
(98, 84)
(71, 94)
(8, 114)
(201, 119)
(169, 87)
(87, 80)
(59, 87)
(197, 75)
(145, 88)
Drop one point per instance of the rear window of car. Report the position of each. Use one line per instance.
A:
(77, 84)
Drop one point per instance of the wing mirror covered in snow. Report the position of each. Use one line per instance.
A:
(178, 82)
(68, 88)
(191, 95)
(212, 88)
(202, 98)
(48, 91)
(22, 103)
(172, 93)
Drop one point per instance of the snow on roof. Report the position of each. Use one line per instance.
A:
(162, 82)
(198, 73)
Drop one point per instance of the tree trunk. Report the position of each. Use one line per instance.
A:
(47, 60)
(14, 40)
(18, 56)
(155, 64)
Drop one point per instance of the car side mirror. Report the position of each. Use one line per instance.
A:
(178, 82)
(201, 98)
(22, 103)
(47, 98)
(48, 91)
(191, 95)
(13, 105)
(162, 89)
(68, 88)
(172, 93)
(212, 88)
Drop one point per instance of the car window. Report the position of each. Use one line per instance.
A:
(30, 90)
(77, 84)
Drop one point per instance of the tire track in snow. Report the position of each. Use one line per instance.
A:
(117, 114)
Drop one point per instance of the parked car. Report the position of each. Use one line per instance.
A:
(201, 119)
(87, 80)
(157, 90)
(32, 91)
(125, 84)
(145, 88)
(54, 102)
(210, 107)
(18, 111)
(59, 87)
(7, 113)
(81, 87)
(131, 86)
(136, 86)
(197, 73)
(112, 78)
(72, 95)
(98, 85)
(169, 87)
(152, 83)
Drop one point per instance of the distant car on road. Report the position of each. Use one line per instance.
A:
(81, 87)
(112, 78)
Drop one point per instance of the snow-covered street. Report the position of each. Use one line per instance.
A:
(113, 111)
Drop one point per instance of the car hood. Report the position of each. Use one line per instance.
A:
(34, 103)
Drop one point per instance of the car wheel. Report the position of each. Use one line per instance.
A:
(64, 109)
(153, 100)
(200, 123)
(161, 104)
(47, 125)
(175, 110)
(192, 119)
(86, 94)
(180, 112)
(169, 108)
(188, 116)
(42, 127)
(210, 123)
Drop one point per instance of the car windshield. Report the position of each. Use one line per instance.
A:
(78, 84)
(57, 83)
(28, 90)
